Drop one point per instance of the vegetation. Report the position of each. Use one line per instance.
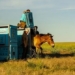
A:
(55, 61)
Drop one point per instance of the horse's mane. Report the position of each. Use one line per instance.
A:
(49, 34)
(41, 34)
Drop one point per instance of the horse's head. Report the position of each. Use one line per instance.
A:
(50, 39)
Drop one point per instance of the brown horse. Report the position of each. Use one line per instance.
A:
(39, 39)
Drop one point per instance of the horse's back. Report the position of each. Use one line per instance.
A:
(38, 36)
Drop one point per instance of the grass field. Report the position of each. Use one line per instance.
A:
(55, 61)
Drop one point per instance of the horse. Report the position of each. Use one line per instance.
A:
(39, 39)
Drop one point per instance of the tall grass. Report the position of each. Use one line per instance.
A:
(60, 47)
(61, 61)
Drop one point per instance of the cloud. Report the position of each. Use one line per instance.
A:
(37, 4)
(19, 4)
(68, 8)
(66, 5)
(14, 4)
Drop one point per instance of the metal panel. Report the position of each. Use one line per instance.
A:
(4, 30)
(8, 42)
(4, 53)
(13, 33)
(13, 51)
(29, 20)
(20, 52)
(4, 39)
(4, 35)
(19, 38)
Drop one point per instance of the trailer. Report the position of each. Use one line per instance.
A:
(8, 42)
(11, 40)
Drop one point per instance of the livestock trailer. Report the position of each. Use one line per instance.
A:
(8, 42)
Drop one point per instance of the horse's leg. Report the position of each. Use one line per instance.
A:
(33, 51)
(41, 50)
(36, 50)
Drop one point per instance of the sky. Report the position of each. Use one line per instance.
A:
(51, 16)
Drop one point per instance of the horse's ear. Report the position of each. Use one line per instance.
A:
(50, 34)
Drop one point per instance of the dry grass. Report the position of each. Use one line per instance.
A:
(57, 62)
